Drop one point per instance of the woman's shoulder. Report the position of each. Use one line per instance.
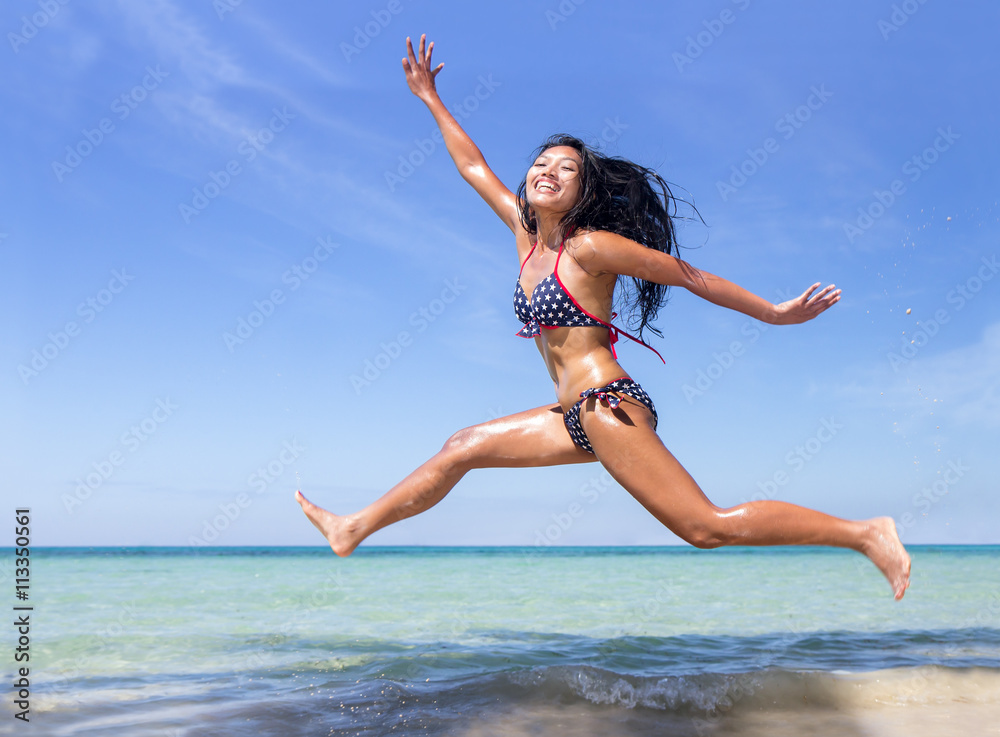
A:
(586, 242)
(589, 246)
(601, 252)
(594, 237)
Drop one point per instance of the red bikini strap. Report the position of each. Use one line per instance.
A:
(559, 255)
(526, 260)
(533, 250)
(615, 330)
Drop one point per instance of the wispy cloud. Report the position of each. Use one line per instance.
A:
(269, 35)
(181, 39)
(207, 73)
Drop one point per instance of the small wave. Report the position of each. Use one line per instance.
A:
(770, 689)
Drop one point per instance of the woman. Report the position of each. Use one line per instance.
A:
(570, 222)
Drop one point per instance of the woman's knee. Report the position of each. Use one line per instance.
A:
(461, 451)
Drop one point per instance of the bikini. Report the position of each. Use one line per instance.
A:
(552, 306)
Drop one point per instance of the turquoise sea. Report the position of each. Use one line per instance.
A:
(509, 641)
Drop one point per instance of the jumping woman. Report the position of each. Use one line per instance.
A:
(582, 223)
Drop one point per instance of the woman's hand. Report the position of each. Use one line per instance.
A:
(804, 308)
(419, 75)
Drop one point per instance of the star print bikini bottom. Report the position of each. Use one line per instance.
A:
(623, 385)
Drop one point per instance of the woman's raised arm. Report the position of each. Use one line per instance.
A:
(467, 157)
(607, 252)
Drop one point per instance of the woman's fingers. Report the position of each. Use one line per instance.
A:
(821, 298)
(417, 66)
(422, 57)
(430, 50)
(825, 300)
(810, 290)
(809, 305)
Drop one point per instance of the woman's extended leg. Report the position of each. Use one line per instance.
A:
(627, 445)
(536, 437)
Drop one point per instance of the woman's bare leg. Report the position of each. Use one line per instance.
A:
(628, 447)
(536, 437)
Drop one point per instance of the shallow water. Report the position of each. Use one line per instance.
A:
(512, 641)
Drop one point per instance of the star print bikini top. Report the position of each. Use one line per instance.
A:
(552, 306)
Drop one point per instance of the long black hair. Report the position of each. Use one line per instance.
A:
(621, 197)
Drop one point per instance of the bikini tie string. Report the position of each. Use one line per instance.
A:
(603, 395)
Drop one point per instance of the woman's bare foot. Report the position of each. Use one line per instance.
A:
(336, 529)
(885, 550)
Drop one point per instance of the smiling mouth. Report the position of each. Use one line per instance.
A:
(549, 186)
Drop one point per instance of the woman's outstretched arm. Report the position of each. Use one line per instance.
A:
(467, 157)
(604, 252)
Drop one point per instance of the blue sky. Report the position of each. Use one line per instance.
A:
(214, 217)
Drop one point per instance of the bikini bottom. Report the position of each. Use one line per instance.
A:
(623, 385)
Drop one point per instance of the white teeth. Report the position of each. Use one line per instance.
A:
(546, 184)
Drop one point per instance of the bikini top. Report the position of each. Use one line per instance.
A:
(552, 306)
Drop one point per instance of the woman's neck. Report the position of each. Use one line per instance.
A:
(550, 232)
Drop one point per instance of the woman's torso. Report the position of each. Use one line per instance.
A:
(580, 356)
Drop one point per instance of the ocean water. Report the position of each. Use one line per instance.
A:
(510, 641)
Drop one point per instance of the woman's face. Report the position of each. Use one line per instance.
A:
(553, 181)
